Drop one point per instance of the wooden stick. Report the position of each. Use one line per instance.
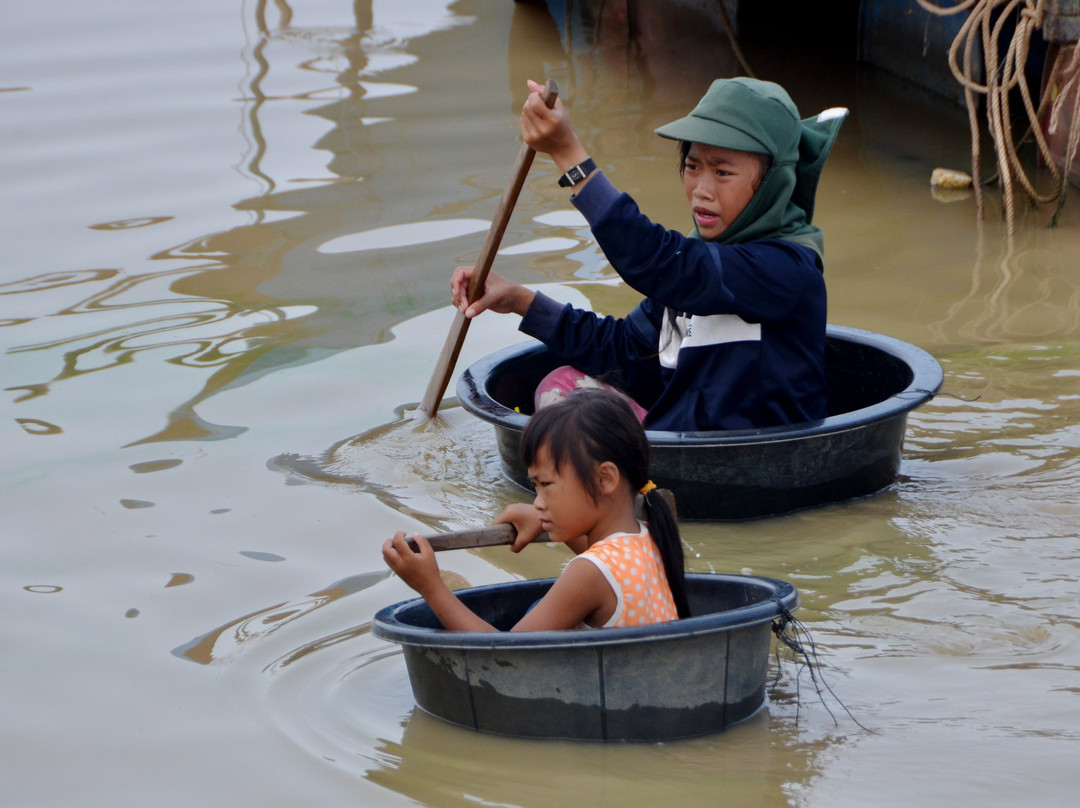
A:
(444, 367)
(474, 537)
(492, 535)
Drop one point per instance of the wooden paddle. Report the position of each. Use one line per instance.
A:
(473, 537)
(491, 535)
(444, 368)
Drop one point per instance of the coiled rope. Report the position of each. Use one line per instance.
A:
(984, 26)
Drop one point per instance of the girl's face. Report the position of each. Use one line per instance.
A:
(719, 183)
(566, 510)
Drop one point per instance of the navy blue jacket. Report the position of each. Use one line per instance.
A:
(747, 349)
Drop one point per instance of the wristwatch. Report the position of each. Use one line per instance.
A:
(577, 173)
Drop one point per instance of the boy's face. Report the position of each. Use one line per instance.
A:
(719, 183)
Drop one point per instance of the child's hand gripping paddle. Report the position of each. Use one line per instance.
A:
(444, 367)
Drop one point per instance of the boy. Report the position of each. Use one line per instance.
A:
(731, 334)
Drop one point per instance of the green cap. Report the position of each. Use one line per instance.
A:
(743, 114)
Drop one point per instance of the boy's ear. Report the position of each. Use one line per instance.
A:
(608, 477)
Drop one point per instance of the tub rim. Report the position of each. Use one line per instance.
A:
(784, 597)
(927, 379)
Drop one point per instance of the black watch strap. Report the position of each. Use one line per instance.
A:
(577, 173)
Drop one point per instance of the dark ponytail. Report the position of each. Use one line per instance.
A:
(665, 534)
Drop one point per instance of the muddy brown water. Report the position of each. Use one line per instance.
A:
(227, 232)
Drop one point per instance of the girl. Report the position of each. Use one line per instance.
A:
(587, 456)
(731, 334)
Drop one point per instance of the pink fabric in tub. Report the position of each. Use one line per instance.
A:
(564, 380)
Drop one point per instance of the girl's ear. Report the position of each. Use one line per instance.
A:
(608, 478)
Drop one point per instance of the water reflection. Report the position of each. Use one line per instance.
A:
(402, 235)
(1022, 287)
(221, 305)
(423, 767)
(229, 639)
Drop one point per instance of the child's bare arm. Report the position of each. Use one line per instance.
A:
(580, 595)
(421, 572)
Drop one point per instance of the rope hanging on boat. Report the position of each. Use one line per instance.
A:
(984, 27)
(796, 636)
(730, 29)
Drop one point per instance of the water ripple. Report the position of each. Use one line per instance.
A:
(440, 471)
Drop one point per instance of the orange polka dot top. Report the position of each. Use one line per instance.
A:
(633, 567)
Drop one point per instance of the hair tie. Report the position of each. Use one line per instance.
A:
(649, 486)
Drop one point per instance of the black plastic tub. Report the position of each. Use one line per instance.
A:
(874, 382)
(646, 683)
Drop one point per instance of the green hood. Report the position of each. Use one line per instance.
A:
(759, 116)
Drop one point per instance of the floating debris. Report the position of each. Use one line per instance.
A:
(949, 179)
